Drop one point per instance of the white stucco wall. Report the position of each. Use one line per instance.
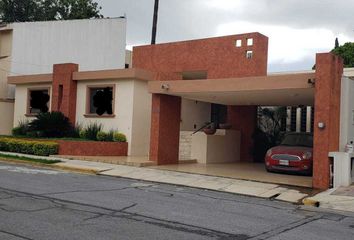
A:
(95, 44)
(124, 92)
(347, 112)
(194, 113)
(222, 147)
(140, 142)
(21, 101)
(5, 61)
(6, 117)
(132, 108)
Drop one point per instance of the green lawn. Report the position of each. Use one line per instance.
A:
(47, 139)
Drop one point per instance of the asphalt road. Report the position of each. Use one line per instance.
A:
(47, 204)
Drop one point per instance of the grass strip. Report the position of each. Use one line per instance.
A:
(20, 158)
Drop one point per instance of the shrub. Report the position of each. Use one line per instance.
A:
(102, 136)
(21, 129)
(32, 134)
(119, 137)
(4, 146)
(76, 131)
(110, 135)
(91, 130)
(16, 131)
(50, 124)
(28, 147)
(46, 149)
(82, 134)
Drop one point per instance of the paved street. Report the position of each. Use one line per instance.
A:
(50, 204)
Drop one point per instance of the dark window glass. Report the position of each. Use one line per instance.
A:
(304, 140)
(39, 101)
(101, 100)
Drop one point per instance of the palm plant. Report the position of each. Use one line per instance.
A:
(50, 124)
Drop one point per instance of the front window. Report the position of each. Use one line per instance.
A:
(303, 140)
(38, 101)
(101, 100)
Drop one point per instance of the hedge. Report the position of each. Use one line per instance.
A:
(28, 147)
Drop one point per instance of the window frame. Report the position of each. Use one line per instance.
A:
(28, 105)
(88, 98)
(249, 54)
(238, 43)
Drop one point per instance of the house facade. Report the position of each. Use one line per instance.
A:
(232, 71)
(174, 90)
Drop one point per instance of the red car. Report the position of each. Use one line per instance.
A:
(294, 154)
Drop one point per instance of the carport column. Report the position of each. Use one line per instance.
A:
(329, 70)
(165, 129)
(64, 90)
(244, 119)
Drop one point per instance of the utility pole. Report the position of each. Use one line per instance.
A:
(154, 24)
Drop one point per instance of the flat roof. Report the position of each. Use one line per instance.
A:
(129, 73)
(271, 90)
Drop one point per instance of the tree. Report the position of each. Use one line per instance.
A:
(336, 43)
(44, 10)
(346, 51)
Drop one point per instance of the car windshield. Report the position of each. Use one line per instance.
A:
(303, 140)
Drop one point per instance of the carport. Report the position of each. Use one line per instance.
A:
(320, 88)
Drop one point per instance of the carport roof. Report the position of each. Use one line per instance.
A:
(272, 90)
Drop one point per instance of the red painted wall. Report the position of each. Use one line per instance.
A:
(220, 58)
(165, 123)
(64, 101)
(244, 119)
(329, 71)
(85, 148)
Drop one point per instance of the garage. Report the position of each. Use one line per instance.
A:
(230, 152)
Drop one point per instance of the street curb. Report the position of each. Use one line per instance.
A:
(76, 169)
(326, 210)
(53, 166)
(310, 202)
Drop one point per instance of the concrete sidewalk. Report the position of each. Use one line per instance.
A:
(336, 199)
(250, 188)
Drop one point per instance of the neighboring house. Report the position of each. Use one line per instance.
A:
(33, 48)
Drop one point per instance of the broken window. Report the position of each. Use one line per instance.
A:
(101, 100)
(38, 101)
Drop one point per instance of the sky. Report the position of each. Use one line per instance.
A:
(297, 29)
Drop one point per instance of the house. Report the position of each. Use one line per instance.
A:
(230, 73)
(174, 89)
(33, 48)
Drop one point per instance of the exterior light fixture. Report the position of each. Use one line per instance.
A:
(311, 81)
(321, 125)
(165, 86)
